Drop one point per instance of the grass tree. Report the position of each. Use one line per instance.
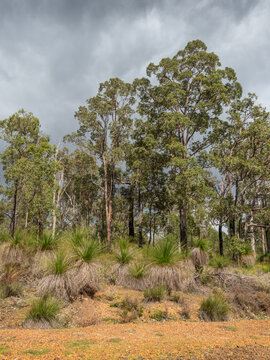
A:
(60, 281)
(199, 254)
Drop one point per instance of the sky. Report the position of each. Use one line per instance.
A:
(54, 53)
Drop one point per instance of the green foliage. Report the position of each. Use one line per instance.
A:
(138, 270)
(10, 289)
(159, 315)
(46, 241)
(46, 308)
(123, 255)
(165, 252)
(238, 247)
(59, 263)
(214, 308)
(201, 244)
(4, 236)
(77, 237)
(157, 293)
(87, 249)
(219, 262)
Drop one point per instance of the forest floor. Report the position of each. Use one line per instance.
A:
(245, 339)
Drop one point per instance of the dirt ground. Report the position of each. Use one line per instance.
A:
(247, 340)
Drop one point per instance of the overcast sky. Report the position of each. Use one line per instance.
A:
(54, 53)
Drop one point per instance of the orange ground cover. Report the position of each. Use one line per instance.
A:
(247, 339)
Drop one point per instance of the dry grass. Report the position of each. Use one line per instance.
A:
(251, 303)
(172, 277)
(199, 258)
(15, 254)
(86, 279)
(60, 286)
(248, 260)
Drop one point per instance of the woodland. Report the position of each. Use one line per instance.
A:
(163, 189)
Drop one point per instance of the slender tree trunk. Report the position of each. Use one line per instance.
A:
(131, 231)
(232, 226)
(183, 224)
(267, 235)
(140, 217)
(14, 209)
(253, 246)
(108, 204)
(26, 218)
(40, 224)
(220, 237)
(56, 201)
(150, 226)
(263, 240)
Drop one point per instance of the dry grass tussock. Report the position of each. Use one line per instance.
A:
(59, 285)
(231, 279)
(123, 278)
(199, 258)
(178, 277)
(251, 303)
(35, 325)
(39, 263)
(86, 278)
(13, 254)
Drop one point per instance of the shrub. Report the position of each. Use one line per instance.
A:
(10, 289)
(185, 312)
(160, 315)
(138, 270)
(214, 308)
(165, 252)
(123, 255)
(45, 308)
(219, 262)
(177, 298)
(251, 301)
(155, 294)
(131, 310)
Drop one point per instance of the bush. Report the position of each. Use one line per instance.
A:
(11, 289)
(214, 308)
(46, 308)
(138, 270)
(155, 294)
(251, 301)
(131, 310)
(219, 262)
(123, 255)
(165, 252)
(160, 315)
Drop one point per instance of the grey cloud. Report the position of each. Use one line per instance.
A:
(53, 54)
